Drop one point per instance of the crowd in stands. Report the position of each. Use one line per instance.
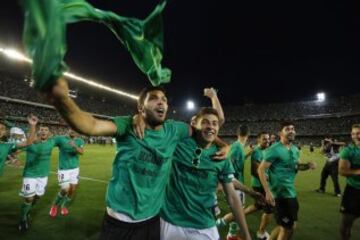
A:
(332, 117)
(297, 110)
(89, 100)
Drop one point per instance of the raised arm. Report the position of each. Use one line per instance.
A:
(215, 102)
(237, 209)
(32, 121)
(81, 121)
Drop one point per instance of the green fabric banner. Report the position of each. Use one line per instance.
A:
(44, 37)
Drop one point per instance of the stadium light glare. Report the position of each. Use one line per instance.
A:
(18, 56)
(190, 105)
(321, 96)
(15, 55)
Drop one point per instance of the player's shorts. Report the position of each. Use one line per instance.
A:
(113, 229)
(33, 186)
(268, 209)
(350, 203)
(67, 177)
(241, 196)
(169, 231)
(286, 211)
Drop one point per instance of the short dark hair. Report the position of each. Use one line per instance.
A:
(261, 133)
(285, 124)
(243, 130)
(357, 125)
(207, 110)
(146, 90)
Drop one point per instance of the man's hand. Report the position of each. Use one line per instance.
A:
(59, 91)
(139, 126)
(209, 92)
(32, 120)
(312, 165)
(222, 153)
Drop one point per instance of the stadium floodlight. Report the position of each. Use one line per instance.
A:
(18, 56)
(14, 55)
(98, 85)
(321, 97)
(190, 105)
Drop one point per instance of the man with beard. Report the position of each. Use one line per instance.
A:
(141, 166)
(349, 167)
(281, 161)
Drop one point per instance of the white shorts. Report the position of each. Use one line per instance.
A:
(33, 186)
(241, 196)
(67, 177)
(169, 231)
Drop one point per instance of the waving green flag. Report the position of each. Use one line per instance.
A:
(44, 37)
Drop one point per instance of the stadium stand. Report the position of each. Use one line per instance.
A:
(313, 119)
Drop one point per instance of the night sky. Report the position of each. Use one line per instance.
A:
(251, 51)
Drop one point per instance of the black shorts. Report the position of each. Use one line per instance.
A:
(350, 203)
(113, 229)
(286, 210)
(268, 209)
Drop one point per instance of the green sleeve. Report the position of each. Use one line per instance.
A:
(345, 154)
(81, 143)
(227, 173)
(182, 129)
(270, 155)
(123, 123)
(256, 156)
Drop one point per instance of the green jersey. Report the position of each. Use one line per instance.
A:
(190, 198)
(283, 169)
(5, 149)
(38, 157)
(352, 154)
(237, 157)
(141, 168)
(68, 157)
(256, 156)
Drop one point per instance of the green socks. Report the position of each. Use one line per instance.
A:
(66, 202)
(24, 210)
(59, 199)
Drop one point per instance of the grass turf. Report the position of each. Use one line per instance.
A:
(318, 216)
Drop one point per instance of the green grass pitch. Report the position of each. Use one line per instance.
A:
(318, 216)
